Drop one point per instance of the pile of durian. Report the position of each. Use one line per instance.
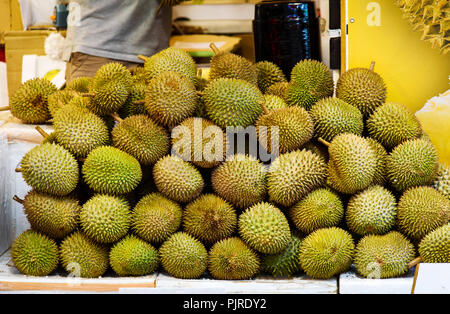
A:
(356, 180)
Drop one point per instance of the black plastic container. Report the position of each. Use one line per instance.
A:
(286, 32)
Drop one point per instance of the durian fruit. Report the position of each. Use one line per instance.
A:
(54, 216)
(371, 211)
(177, 179)
(421, 210)
(132, 106)
(170, 98)
(317, 148)
(155, 218)
(110, 88)
(264, 228)
(311, 81)
(138, 74)
(209, 218)
(383, 256)
(79, 84)
(142, 138)
(133, 257)
(29, 101)
(362, 88)
(112, 171)
(272, 102)
(59, 99)
(379, 178)
(170, 59)
(285, 263)
(435, 246)
(293, 175)
(34, 254)
(412, 163)
(268, 73)
(50, 168)
(391, 124)
(326, 252)
(183, 256)
(232, 102)
(232, 66)
(204, 142)
(290, 128)
(79, 130)
(352, 163)
(333, 116)
(278, 89)
(105, 218)
(241, 180)
(442, 180)
(83, 257)
(322, 208)
(232, 259)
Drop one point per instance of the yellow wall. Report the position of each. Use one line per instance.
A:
(413, 71)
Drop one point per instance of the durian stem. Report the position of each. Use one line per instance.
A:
(143, 58)
(18, 169)
(159, 8)
(139, 102)
(18, 200)
(321, 140)
(116, 117)
(199, 72)
(214, 48)
(264, 108)
(372, 65)
(88, 94)
(415, 261)
(41, 131)
(5, 108)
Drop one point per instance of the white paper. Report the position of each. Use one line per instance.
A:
(38, 66)
(433, 278)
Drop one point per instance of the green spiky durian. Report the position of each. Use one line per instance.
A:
(232, 66)
(232, 102)
(50, 168)
(105, 218)
(278, 89)
(133, 257)
(232, 259)
(83, 257)
(391, 124)
(204, 141)
(379, 177)
(383, 256)
(264, 228)
(52, 215)
(142, 138)
(333, 116)
(352, 163)
(59, 99)
(442, 180)
(322, 208)
(241, 180)
(311, 81)
(273, 102)
(110, 88)
(79, 130)
(362, 88)
(155, 218)
(34, 254)
(285, 263)
(79, 84)
(177, 179)
(209, 218)
(435, 246)
(183, 256)
(112, 171)
(29, 101)
(268, 73)
(421, 210)
(170, 98)
(171, 59)
(412, 163)
(132, 106)
(371, 211)
(81, 101)
(294, 127)
(293, 175)
(326, 252)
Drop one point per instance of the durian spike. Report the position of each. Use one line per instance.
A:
(321, 140)
(214, 48)
(415, 261)
(116, 117)
(18, 170)
(87, 94)
(143, 58)
(263, 107)
(41, 131)
(139, 102)
(18, 200)
(199, 93)
(372, 65)
(159, 8)
(5, 108)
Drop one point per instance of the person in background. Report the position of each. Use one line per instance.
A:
(103, 31)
